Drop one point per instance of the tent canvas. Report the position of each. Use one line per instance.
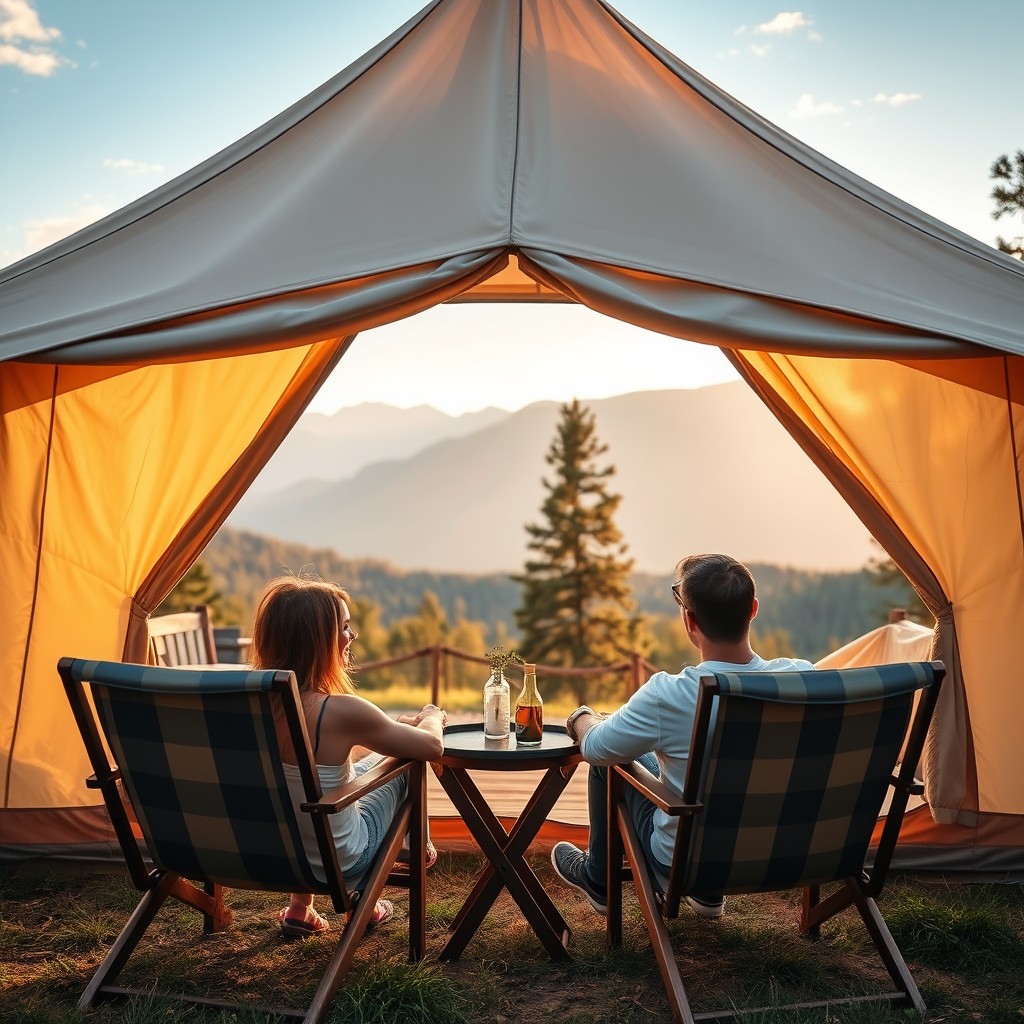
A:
(529, 150)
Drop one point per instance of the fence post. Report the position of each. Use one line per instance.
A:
(636, 670)
(436, 654)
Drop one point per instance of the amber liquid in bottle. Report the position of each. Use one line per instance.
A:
(529, 711)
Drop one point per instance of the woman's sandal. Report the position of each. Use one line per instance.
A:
(299, 927)
(402, 863)
(383, 911)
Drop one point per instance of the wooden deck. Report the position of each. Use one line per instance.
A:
(507, 793)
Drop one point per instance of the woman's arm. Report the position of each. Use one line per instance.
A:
(362, 722)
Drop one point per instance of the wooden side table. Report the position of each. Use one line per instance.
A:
(466, 749)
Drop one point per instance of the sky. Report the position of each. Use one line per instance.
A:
(102, 101)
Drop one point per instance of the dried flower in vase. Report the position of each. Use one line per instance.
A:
(500, 659)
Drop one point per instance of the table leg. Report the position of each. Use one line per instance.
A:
(489, 885)
(508, 866)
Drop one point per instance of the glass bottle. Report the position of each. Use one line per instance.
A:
(529, 710)
(496, 706)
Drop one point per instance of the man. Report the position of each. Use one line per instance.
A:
(717, 602)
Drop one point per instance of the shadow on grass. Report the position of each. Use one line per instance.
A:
(963, 943)
(963, 929)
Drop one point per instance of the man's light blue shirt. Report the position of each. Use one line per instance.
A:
(659, 718)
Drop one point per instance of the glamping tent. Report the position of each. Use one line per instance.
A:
(528, 150)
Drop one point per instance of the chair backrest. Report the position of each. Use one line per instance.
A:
(792, 769)
(197, 753)
(184, 638)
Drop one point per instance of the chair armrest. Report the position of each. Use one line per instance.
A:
(95, 782)
(333, 801)
(914, 788)
(655, 790)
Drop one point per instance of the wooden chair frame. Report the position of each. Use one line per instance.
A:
(657, 907)
(157, 884)
(182, 638)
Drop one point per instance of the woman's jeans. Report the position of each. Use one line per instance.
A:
(377, 809)
(641, 810)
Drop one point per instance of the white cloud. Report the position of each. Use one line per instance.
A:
(133, 166)
(783, 24)
(18, 20)
(32, 62)
(24, 40)
(856, 103)
(806, 107)
(760, 50)
(814, 37)
(740, 30)
(47, 230)
(897, 99)
(38, 234)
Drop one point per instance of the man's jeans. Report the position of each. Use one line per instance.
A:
(641, 810)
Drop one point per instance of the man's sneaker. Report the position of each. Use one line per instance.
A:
(707, 906)
(570, 866)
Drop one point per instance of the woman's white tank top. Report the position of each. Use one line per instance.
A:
(347, 826)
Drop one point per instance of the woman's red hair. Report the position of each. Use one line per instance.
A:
(298, 627)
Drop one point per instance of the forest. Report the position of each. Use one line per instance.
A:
(802, 612)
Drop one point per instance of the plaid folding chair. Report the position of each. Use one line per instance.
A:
(786, 779)
(197, 755)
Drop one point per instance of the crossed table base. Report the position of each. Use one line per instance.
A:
(466, 749)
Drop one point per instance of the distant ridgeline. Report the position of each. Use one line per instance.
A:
(820, 611)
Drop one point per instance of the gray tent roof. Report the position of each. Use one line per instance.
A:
(552, 128)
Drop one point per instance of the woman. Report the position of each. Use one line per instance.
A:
(305, 625)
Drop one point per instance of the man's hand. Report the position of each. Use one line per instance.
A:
(581, 721)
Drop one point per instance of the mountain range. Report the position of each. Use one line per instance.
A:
(336, 447)
(708, 469)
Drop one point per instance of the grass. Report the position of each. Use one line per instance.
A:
(965, 946)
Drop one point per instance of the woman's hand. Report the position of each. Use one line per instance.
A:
(427, 710)
(430, 710)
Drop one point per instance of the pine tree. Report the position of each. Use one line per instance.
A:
(576, 602)
(1008, 196)
(195, 587)
(884, 572)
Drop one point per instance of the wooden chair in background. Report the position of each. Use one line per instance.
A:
(182, 639)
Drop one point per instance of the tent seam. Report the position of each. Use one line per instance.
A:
(519, 116)
(1013, 448)
(35, 591)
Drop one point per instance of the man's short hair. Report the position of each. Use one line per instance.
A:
(719, 592)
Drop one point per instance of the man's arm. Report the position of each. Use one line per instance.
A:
(623, 736)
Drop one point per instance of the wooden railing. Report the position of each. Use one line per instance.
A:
(634, 670)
